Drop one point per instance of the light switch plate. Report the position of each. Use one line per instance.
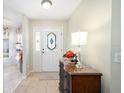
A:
(117, 57)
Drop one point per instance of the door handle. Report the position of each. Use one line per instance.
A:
(43, 51)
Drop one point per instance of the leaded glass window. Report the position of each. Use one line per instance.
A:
(51, 41)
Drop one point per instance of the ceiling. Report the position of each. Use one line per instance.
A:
(61, 9)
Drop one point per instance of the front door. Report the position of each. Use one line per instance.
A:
(51, 49)
(47, 49)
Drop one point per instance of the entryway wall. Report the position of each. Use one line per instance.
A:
(116, 47)
(102, 21)
(94, 17)
(47, 23)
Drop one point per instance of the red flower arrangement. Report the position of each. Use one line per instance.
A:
(70, 54)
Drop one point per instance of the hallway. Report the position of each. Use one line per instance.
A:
(36, 84)
(45, 33)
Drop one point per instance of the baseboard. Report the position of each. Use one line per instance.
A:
(18, 84)
(24, 77)
(29, 73)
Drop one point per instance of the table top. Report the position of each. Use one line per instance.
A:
(84, 70)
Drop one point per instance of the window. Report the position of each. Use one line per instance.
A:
(51, 41)
(38, 48)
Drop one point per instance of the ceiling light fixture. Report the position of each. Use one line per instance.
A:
(46, 4)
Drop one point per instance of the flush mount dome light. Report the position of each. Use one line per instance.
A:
(46, 4)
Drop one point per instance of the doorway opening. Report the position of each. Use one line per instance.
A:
(12, 56)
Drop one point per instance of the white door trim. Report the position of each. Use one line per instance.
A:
(39, 29)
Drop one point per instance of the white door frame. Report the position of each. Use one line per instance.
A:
(37, 60)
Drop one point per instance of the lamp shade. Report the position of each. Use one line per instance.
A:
(79, 38)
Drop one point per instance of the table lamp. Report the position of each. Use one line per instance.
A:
(78, 39)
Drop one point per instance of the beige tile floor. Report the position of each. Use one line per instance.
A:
(11, 75)
(33, 84)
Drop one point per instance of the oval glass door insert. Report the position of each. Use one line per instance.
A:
(51, 41)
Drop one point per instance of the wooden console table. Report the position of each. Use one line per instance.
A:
(83, 80)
